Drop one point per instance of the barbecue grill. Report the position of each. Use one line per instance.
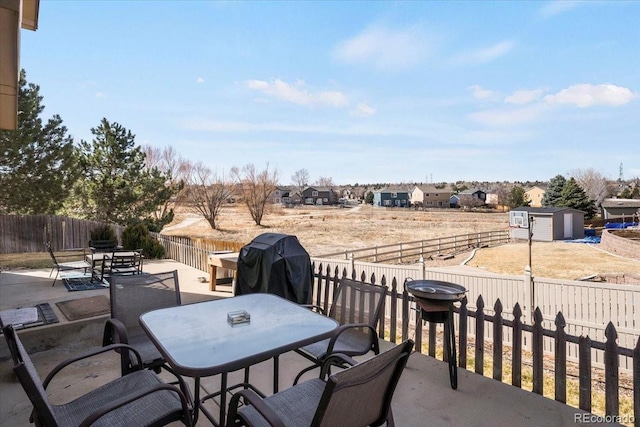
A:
(435, 299)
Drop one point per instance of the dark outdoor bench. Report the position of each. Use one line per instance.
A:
(103, 245)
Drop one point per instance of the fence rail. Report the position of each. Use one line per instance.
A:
(412, 251)
(194, 252)
(29, 233)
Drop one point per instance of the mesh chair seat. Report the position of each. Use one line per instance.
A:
(154, 409)
(358, 396)
(139, 398)
(295, 406)
(132, 296)
(148, 351)
(351, 342)
(357, 306)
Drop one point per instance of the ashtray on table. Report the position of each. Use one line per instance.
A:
(238, 317)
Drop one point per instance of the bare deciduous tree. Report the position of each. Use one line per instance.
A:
(256, 188)
(207, 192)
(502, 192)
(325, 181)
(595, 185)
(169, 162)
(300, 180)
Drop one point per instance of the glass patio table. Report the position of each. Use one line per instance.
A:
(198, 340)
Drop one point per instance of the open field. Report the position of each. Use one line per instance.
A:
(324, 230)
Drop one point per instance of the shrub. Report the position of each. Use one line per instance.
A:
(137, 236)
(103, 232)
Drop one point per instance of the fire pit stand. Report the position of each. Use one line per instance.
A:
(435, 300)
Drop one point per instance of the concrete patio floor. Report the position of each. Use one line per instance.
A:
(423, 396)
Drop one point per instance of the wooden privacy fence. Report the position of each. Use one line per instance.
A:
(194, 252)
(412, 251)
(29, 233)
(405, 321)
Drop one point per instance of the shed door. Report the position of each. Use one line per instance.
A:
(568, 226)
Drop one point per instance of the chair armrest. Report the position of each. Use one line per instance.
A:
(348, 326)
(114, 332)
(87, 354)
(115, 404)
(336, 359)
(256, 401)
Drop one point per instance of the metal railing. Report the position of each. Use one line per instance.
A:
(412, 251)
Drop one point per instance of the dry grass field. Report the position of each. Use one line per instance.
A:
(323, 230)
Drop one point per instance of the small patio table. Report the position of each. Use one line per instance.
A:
(198, 340)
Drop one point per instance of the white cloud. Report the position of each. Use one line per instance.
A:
(101, 95)
(508, 117)
(480, 93)
(556, 7)
(386, 48)
(363, 110)
(523, 96)
(297, 93)
(199, 80)
(485, 55)
(588, 95)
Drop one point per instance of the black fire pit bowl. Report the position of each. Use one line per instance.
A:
(436, 290)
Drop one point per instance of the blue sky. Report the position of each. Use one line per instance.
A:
(361, 92)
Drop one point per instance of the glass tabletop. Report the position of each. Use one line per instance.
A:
(198, 340)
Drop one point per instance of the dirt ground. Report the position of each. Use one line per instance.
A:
(323, 230)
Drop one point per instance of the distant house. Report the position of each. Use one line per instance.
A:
(620, 208)
(535, 195)
(547, 224)
(454, 201)
(429, 196)
(283, 195)
(392, 196)
(472, 197)
(318, 196)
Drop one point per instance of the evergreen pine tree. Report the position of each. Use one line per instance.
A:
(517, 197)
(573, 196)
(37, 161)
(554, 191)
(117, 188)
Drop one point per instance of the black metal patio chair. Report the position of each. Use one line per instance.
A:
(355, 397)
(136, 399)
(357, 306)
(65, 266)
(130, 297)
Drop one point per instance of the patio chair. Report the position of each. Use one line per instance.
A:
(357, 306)
(121, 263)
(130, 297)
(139, 398)
(357, 396)
(65, 266)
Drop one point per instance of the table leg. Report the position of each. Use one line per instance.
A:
(213, 270)
(223, 398)
(276, 373)
(196, 400)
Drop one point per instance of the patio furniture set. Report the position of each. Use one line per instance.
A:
(101, 262)
(151, 331)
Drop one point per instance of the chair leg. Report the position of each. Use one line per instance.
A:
(55, 278)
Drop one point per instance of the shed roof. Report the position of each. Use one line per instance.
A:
(550, 210)
(621, 203)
